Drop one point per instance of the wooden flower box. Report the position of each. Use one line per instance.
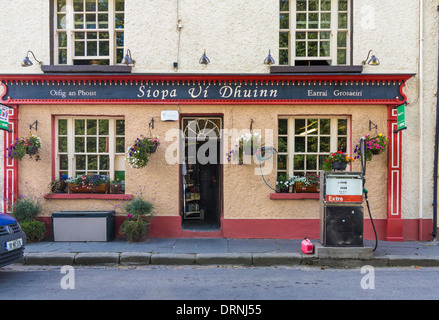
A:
(102, 188)
(301, 188)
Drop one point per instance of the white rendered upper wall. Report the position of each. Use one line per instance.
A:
(236, 34)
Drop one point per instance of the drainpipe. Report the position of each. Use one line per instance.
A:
(436, 149)
(421, 104)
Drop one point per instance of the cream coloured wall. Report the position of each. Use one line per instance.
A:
(245, 194)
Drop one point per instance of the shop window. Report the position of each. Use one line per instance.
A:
(304, 143)
(89, 32)
(90, 145)
(314, 32)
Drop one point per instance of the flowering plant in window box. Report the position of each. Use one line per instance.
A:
(374, 145)
(137, 155)
(95, 183)
(30, 145)
(337, 161)
(248, 144)
(310, 183)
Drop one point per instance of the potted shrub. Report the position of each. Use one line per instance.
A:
(310, 184)
(137, 155)
(25, 146)
(95, 183)
(137, 224)
(116, 186)
(58, 186)
(337, 161)
(374, 145)
(26, 210)
(283, 184)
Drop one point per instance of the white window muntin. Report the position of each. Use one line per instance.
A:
(67, 153)
(339, 128)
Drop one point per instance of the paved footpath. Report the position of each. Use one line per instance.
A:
(222, 251)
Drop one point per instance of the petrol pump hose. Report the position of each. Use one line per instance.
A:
(363, 170)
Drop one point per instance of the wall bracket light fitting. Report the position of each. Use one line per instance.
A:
(26, 61)
(372, 125)
(34, 125)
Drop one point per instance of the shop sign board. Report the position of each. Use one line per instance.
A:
(200, 91)
(4, 117)
(400, 118)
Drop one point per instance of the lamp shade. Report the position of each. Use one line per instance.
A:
(204, 59)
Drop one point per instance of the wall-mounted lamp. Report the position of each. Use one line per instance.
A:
(269, 59)
(204, 59)
(127, 59)
(373, 61)
(26, 61)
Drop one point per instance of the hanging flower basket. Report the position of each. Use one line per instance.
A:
(30, 145)
(137, 155)
(337, 161)
(374, 146)
(247, 144)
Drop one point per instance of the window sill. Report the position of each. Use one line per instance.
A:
(98, 196)
(294, 196)
(86, 69)
(316, 69)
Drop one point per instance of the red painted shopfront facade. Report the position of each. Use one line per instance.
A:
(211, 90)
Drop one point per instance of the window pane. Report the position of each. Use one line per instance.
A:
(90, 5)
(300, 35)
(61, 6)
(62, 144)
(284, 21)
(312, 145)
(342, 20)
(325, 20)
(282, 126)
(312, 49)
(79, 144)
(325, 126)
(301, 5)
(325, 35)
(325, 5)
(120, 5)
(62, 126)
(79, 126)
(79, 48)
(91, 144)
(325, 49)
(103, 21)
(282, 162)
(301, 49)
(313, 20)
(103, 5)
(63, 162)
(301, 21)
(282, 144)
(313, 5)
(103, 144)
(342, 144)
(104, 162)
(342, 5)
(341, 56)
(299, 144)
(62, 39)
(325, 144)
(342, 126)
(78, 5)
(91, 127)
(104, 48)
(80, 162)
(119, 20)
(103, 126)
(62, 56)
(341, 39)
(311, 162)
(299, 126)
(61, 21)
(313, 125)
(90, 21)
(283, 57)
(120, 127)
(92, 48)
(299, 162)
(119, 39)
(92, 163)
(284, 5)
(120, 145)
(283, 40)
(79, 21)
(79, 35)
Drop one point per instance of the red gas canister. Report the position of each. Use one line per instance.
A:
(307, 246)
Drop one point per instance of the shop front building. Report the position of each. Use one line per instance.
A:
(90, 104)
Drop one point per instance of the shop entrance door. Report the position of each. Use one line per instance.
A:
(201, 174)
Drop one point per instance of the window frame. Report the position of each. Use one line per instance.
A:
(334, 136)
(334, 32)
(71, 154)
(113, 55)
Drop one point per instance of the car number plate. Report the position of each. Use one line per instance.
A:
(14, 244)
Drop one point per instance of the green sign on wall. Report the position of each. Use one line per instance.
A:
(400, 118)
(4, 117)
